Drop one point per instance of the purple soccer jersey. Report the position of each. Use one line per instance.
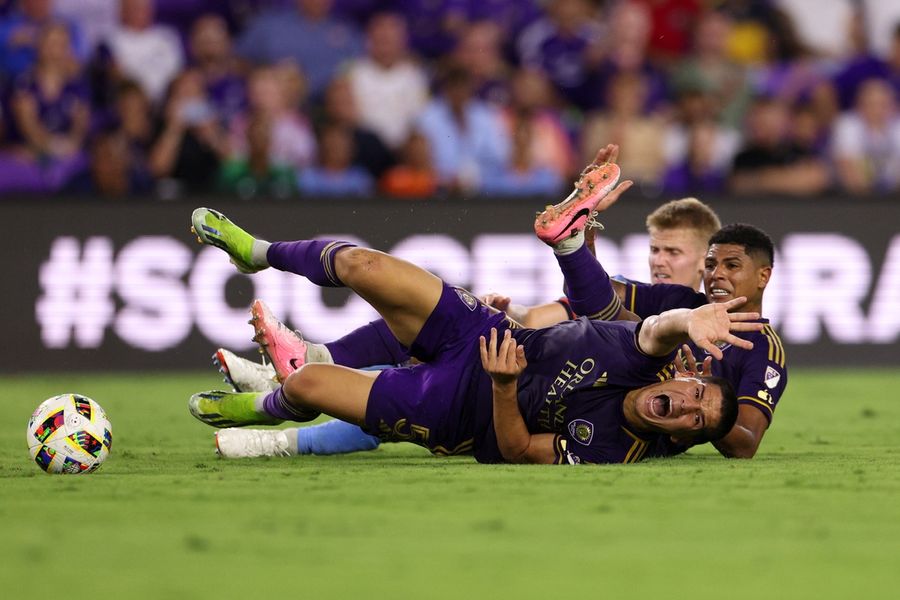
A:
(759, 376)
(644, 299)
(578, 375)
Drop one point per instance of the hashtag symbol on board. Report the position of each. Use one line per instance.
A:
(76, 292)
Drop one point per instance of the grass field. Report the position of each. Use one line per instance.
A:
(815, 515)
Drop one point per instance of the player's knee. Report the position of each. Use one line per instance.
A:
(355, 263)
(303, 385)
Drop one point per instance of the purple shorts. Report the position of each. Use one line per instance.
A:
(433, 404)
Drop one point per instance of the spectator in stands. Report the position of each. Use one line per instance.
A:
(480, 52)
(866, 141)
(115, 171)
(626, 52)
(671, 24)
(625, 124)
(862, 64)
(524, 176)
(143, 51)
(50, 115)
(510, 17)
(191, 142)
(701, 171)
(695, 105)
(532, 116)
(567, 45)
(334, 174)
(211, 54)
(339, 108)
(273, 91)
(467, 138)
(20, 33)
(95, 19)
(434, 25)
(255, 173)
(389, 88)
(709, 63)
(770, 162)
(414, 177)
(306, 34)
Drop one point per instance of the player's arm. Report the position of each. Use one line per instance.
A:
(662, 334)
(744, 438)
(504, 365)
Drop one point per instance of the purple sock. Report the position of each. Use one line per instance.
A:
(313, 259)
(587, 285)
(366, 346)
(275, 404)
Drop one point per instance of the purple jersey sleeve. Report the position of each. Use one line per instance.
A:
(644, 299)
(763, 375)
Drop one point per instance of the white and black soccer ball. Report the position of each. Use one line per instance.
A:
(69, 433)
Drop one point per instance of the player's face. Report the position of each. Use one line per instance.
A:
(729, 272)
(682, 407)
(676, 256)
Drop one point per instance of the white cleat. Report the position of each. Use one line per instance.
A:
(245, 375)
(253, 443)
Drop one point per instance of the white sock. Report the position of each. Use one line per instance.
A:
(570, 244)
(318, 353)
(258, 252)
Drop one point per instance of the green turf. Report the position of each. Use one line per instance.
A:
(815, 515)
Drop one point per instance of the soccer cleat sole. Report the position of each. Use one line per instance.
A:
(560, 221)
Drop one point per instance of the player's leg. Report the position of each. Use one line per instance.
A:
(402, 293)
(316, 388)
(330, 437)
(562, 226)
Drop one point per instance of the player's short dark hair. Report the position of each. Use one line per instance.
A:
(729, 411)
(755, 241)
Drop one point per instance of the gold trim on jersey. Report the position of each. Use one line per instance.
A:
(607, 314)
(637, 450)
(633, 289)
(464, 446)
(776, 348)
(758, 402)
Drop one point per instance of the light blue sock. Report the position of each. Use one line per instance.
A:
(334, 437)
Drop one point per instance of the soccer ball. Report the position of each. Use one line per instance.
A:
(69, 433)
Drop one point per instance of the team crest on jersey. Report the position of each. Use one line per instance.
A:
(772, 377)
(467, 298)
(581, 431)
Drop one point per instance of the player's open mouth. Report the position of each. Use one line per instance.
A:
(662, 276)
(660, 405)
(716, 293)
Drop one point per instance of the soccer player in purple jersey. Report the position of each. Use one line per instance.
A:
(581, 391)
(738, 263)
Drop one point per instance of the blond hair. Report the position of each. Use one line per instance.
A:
(686, 213)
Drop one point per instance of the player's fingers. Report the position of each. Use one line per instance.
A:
(707, 365)
(711, 348)
(482, 346)
(613, 196)
(734, 302)
(744, 316)
(739, 342)
(691, 360)
(738, 326)
(613, 153)
(492, 346)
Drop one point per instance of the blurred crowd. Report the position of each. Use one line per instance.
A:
(412, 98)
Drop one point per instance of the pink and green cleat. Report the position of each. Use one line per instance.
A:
(566, 219)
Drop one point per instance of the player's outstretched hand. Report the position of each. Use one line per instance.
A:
(686, 363)
(503, 364)
(713, 323)
(607, 154)
(498, 301)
